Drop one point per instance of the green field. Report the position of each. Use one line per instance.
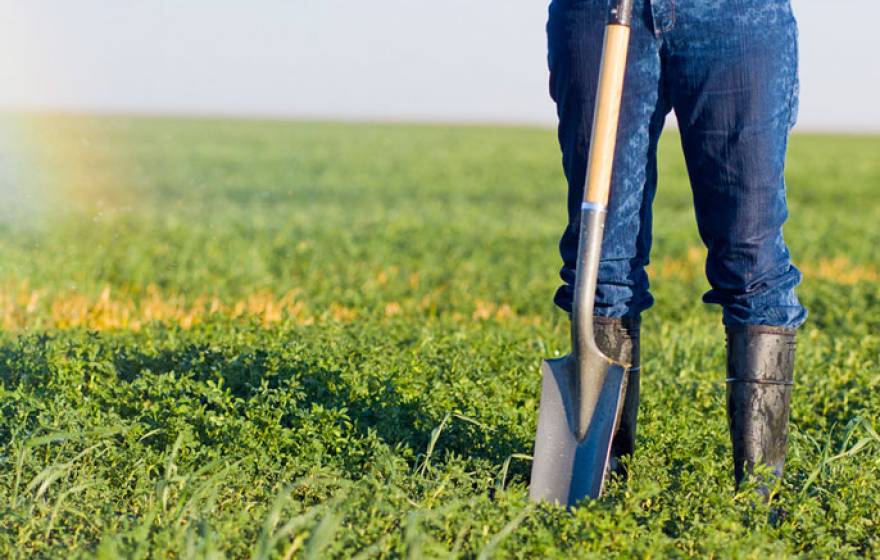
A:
(256, 339)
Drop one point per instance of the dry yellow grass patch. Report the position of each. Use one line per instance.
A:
(393, 308)
(485, 310)
(687, 268)
(839, 270)
(22, 307)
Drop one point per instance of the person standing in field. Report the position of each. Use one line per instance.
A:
(728, 69)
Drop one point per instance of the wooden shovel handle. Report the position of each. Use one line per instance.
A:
(606, 114)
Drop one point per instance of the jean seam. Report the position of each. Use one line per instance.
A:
(794, 93)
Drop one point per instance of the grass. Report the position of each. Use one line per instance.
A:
(303, 340)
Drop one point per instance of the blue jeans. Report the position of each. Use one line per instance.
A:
(728, 68)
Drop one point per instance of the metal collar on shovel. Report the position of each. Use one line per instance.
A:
(581, 395)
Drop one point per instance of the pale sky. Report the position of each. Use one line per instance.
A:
(460, 60)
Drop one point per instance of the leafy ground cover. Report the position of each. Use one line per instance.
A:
(272, 340)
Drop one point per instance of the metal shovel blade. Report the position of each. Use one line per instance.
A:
(566, 468)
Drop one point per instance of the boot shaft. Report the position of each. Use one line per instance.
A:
(619, 340)
(760, 374)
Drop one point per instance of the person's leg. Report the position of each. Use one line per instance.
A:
(575, 32)
(733, 77)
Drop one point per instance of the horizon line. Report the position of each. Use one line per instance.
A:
(354, 118)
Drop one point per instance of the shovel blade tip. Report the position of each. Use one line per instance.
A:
(567, 469)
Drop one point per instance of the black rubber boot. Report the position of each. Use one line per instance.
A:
(760, 373)
(619, 340)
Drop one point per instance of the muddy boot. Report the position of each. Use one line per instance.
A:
(619, 340)
(760, 371)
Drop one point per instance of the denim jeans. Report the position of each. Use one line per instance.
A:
(728, 68)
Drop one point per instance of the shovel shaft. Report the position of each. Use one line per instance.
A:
(606, 114)
(598, 181)
(621, 12)
(592, 227)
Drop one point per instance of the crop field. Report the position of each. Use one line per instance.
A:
(257, 339)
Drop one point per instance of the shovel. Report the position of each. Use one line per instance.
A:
(582, 393)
